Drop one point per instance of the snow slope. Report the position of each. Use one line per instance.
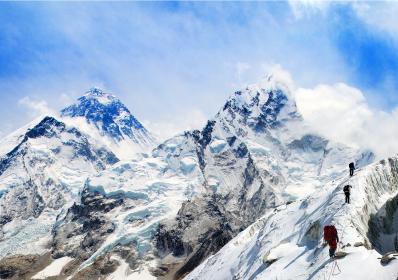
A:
(54, 269)
(291, 235)
(10, 141)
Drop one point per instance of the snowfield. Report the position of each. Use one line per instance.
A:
(54, 269)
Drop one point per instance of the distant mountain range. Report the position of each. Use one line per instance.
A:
(91, 194)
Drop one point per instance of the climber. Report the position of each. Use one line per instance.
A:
(346, 191)
(331, 238)
(352, 168)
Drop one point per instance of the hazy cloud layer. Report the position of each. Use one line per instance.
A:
(165, 60)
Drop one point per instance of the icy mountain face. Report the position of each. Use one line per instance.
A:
(259, 107)
(255, 154)
(265, 118)
(286, 243)
(39, 177)
(196, 191)
(102, 114)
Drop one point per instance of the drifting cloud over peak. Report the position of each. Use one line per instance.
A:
(35, 107)
(342, 113)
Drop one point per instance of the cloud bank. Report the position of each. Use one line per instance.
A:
(341, 113)
(35, 107)
(166, 60)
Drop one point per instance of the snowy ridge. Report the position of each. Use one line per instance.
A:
(10, 141)
(290, 237)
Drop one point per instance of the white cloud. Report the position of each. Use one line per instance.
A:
(36, 107)
(341, 113)
(302, 8)
(169, 127)
(241, 69)
(382, 15)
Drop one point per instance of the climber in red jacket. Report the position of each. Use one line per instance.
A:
(331, 238)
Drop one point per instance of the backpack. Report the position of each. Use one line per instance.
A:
(351, 165)
(329, 233)
(346, 188)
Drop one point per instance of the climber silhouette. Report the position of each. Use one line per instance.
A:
(347, 193)
(352, 168)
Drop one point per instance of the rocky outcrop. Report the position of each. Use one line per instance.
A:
(83, 229)
(207, 223)
(382, 225)
(19, 267)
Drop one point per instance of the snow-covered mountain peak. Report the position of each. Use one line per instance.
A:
(100, 96)
(267, 104)
(275, 80)
(103, 116)
(106, 112)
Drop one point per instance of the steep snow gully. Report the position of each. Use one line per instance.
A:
(244, 198)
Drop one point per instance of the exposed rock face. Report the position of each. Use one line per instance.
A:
(83, 229)
(28, 203)
(208, 222)
(20, 267)
(383, 226)
(181, 240)
(100, 269)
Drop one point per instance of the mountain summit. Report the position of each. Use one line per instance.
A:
(107, 113)
(110, 118)
(261, 106)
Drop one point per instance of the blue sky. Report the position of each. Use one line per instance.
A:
(176, 62)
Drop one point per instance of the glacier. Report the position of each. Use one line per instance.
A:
(246, 197)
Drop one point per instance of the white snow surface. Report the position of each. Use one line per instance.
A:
(124, 272)
(53, 269)
(283, 235)
(10, 141)
(125, 149)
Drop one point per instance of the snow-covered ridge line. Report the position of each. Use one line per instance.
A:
(292, 235)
